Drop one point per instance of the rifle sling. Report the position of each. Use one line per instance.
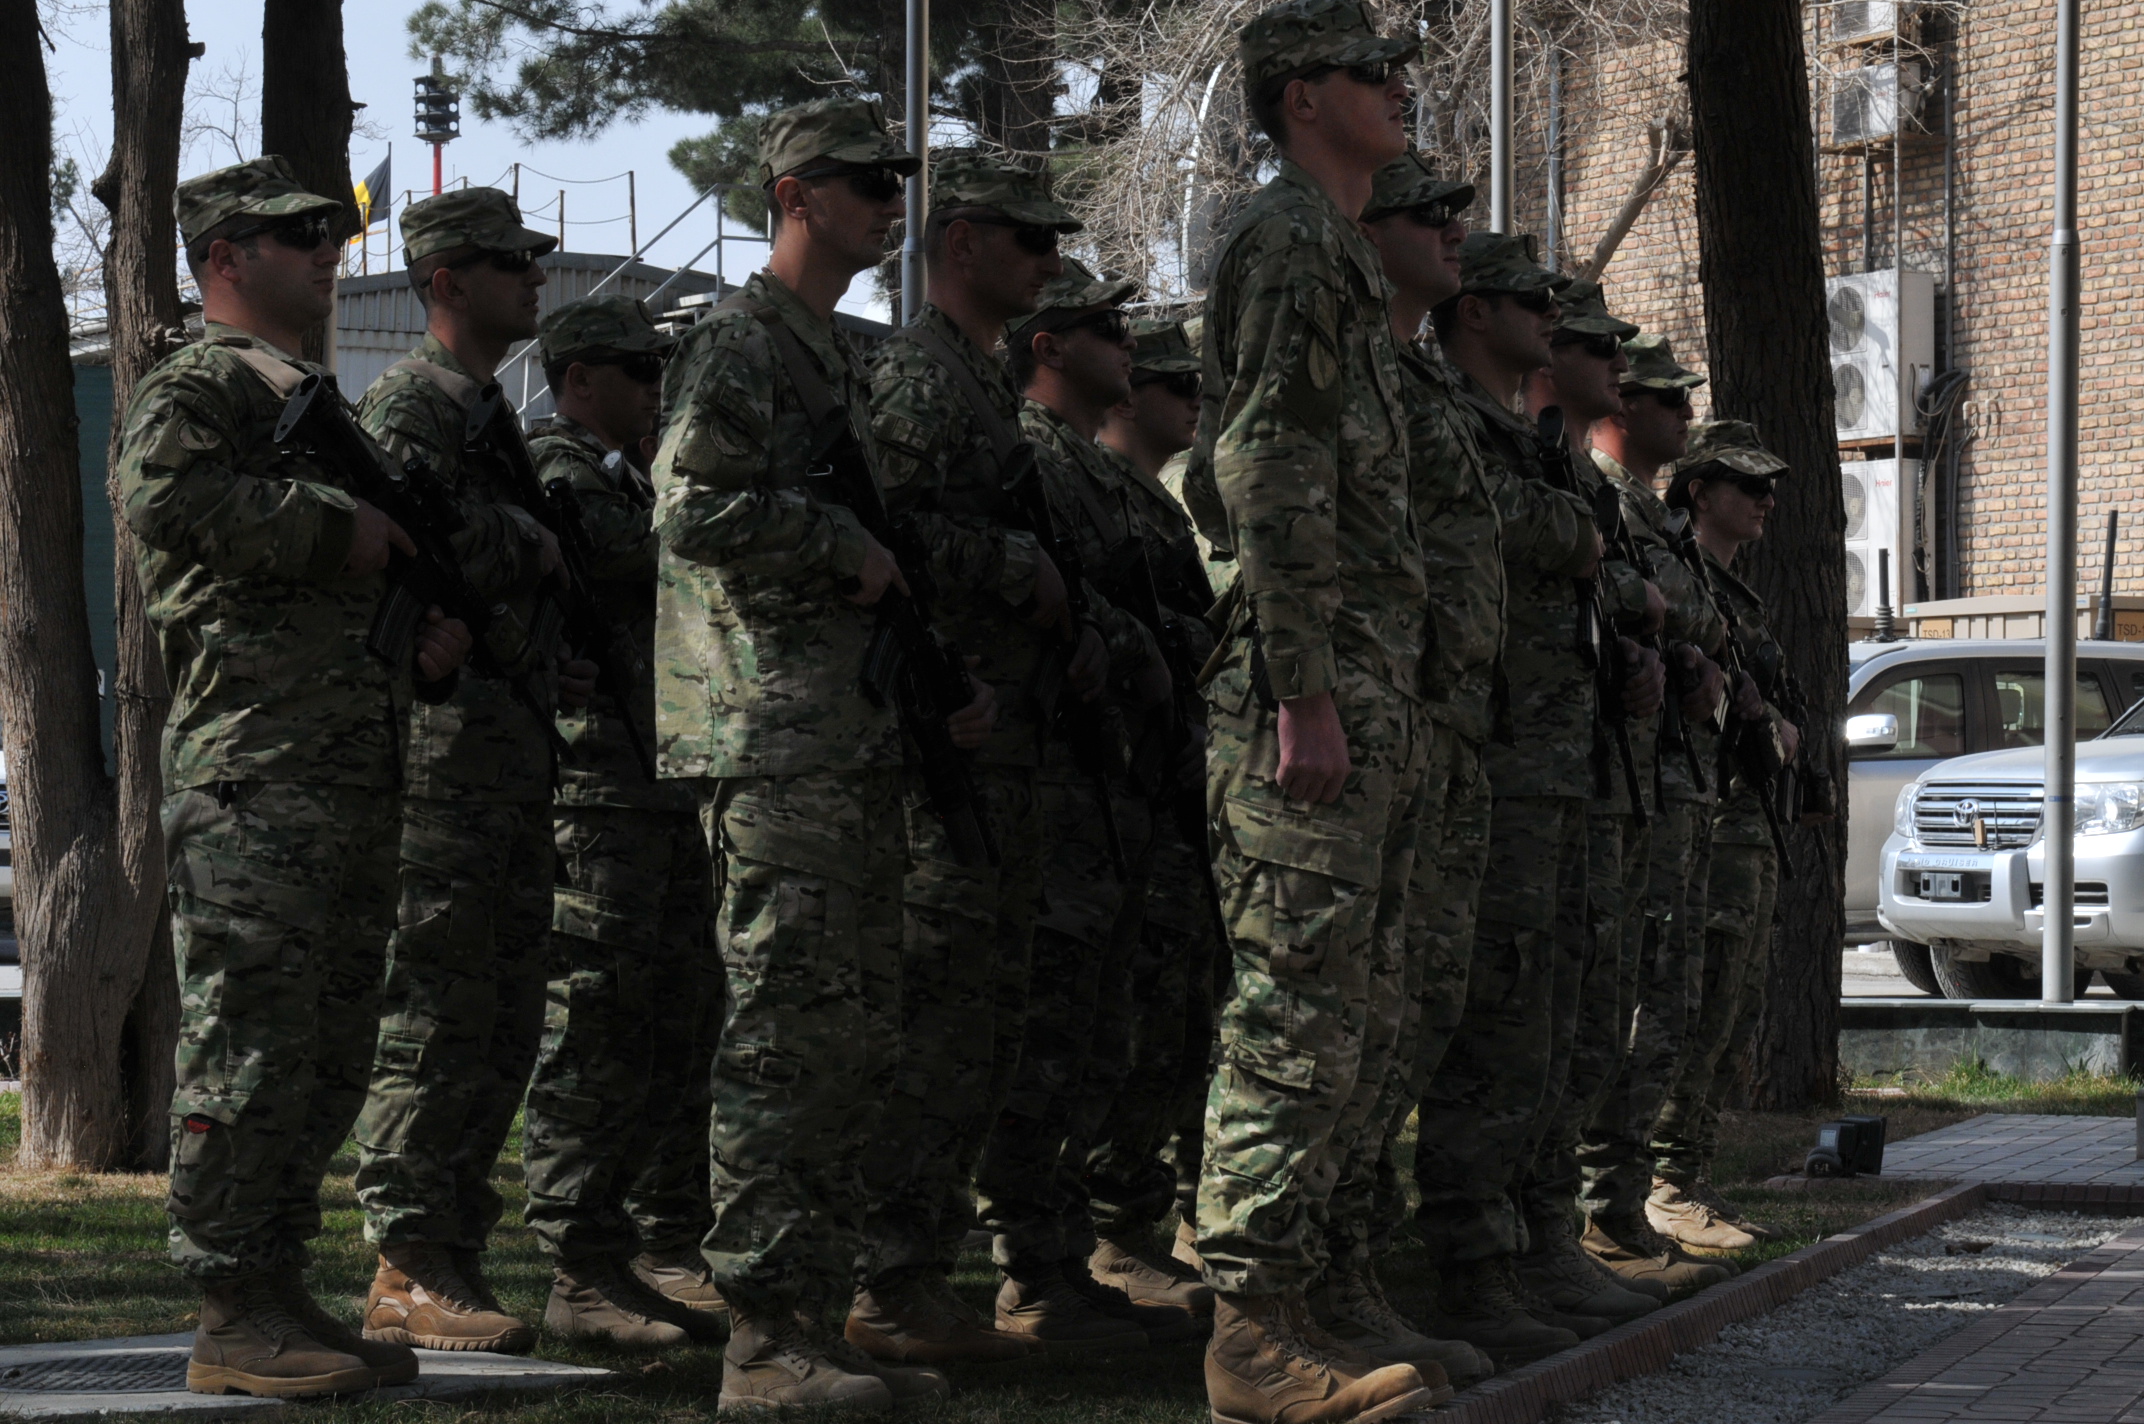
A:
(283, 377)
(820, 402)
(1004, 439)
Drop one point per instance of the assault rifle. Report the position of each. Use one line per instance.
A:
(1598, 645)
(414, 498)
(591, 630)
(907, 664)
(1083, 725)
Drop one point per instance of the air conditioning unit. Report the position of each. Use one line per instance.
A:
(1882, 497)
(1866, 21)
(1871, 103)
(1883, 350)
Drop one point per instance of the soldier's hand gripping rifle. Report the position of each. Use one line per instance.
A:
(1599, 647)
(414, 498)
(1622, 544)
(1082, 724)
(906, 664)
(591, 631)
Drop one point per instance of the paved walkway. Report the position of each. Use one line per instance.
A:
(2040, 1148)
(2065, 1352)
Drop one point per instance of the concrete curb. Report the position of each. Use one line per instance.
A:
(1647, 1344)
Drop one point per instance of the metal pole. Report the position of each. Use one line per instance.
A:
(1553, 237)
(2058, 816)
(1500, 115)
(919, 143)
(437, 150)
(517, 184)
(632, 213)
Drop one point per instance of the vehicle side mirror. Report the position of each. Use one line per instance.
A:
(1872, 732)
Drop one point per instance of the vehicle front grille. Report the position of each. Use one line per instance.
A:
(2008, 813)
(2084, 892)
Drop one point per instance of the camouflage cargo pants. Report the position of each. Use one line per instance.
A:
(1128, 1184)
(667, 1198)
(807, 874)
(1076, 1043)
(1479, 1115)
(1740, 891)
(1614, 1155)
(1315, 901)
(966, 936)
(460, 1018)
(621, 1060)
(1439, 936)
(282, 898)
(1618, 860)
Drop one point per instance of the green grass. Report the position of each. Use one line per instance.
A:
(83, 1256)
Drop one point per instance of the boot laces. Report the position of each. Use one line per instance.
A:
(443, 1279)
(266, 1312)
(1362, 1296)
(1281, 1327)
(1496, 1289)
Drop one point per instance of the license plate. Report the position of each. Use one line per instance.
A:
(1935, 885)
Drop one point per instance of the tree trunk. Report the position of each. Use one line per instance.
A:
(1761, 268)
(1020, 83)
(306, 111)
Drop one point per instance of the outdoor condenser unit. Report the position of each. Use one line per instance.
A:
(1870, 103)
(1883, 350)
(1865, 21)
(1882, 497)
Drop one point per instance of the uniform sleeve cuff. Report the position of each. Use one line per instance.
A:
(845, 559)
(1304, 673)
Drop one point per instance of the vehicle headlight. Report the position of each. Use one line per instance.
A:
(1902, 813)
(2106, 808)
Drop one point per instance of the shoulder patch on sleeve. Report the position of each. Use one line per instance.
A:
(908, 436)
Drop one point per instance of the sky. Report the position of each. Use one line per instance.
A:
(376, 39)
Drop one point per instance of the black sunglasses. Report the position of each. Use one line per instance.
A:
(1755, 486)
(301, 233)
(1674, 398)
(872, 184)
(1184, 385)
(643, 366)
(513, 264)
(1437, 215)
(1111, 324)
(1600, 348)
(1540, 303)
(1032, 237)
(1377, 73)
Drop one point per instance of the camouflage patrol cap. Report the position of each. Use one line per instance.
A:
(1407, 182)
(1653, 365)
(1491, 262)
(598, 326)
(263, 187)
(830, 130)
(1074, 288)
(468, 217)
(1303, 34)
(1732, 443)
(1162, 347)
(1585, 311)
(971, 178)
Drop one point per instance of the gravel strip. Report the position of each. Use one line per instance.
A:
(1858, 1326)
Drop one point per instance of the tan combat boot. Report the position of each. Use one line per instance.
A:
(772, 1362)
(419, 1298)
(592, 1298)
(1354, 1309)
(1691, 1222)
(1044, 1307)
(1259, 1370)
(1560, 1273)
(1148, 1277)
(1478, 1302)
(903, 1322)
(1161, 1324)
(248, 1343)
(393, 1363)
(682, 1276)
(1186, 1248)
(912, 1386)
(1637, 1253)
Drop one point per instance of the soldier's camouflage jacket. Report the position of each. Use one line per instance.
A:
(240, 554)
(1692, 617)
(617, 509)
(758, 656)
(1741, 817)
(1167, 532)
(480, 745)
(1547, 534)
(1175, 478)
(1302, 473)
(1462, 547)
(941, 473)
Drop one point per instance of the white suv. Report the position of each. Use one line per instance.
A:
(1962, 869)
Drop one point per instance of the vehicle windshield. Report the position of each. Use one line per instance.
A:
(2129, 724)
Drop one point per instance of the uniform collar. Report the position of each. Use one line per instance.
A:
(817, 336)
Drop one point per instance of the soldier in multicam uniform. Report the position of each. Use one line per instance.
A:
(1725, 481)
(1413, 220)
(946, 415)
(465, 970)
(262, 566)
(1630, 448)
(1130, 1187)
(1072, 357)
(1316, 772)
(764, 611)
(630, 1019)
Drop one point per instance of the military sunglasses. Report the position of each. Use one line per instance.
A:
(1436, 215)
(1673, 397)
(1184, 385)
(1033, 237)
(1755, 486)
(513, 264)
(1377, 73)
(1111, 324)
(644, 367)
(1541, 301)
(300, 233)
(872, 183)
(1600, 348)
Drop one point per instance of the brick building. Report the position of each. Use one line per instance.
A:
(1976, 154)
